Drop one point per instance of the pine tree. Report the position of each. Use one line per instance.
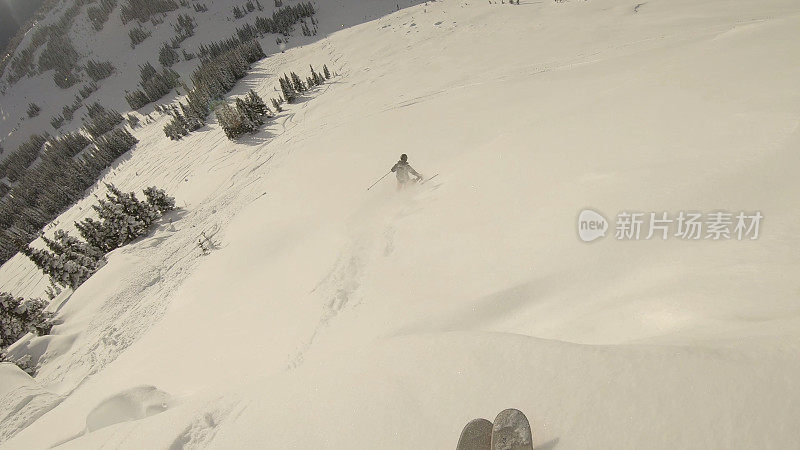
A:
(99, 14)
(75, 261)
(43, 259)
(98, 70)
(159, 199)
(124, 217)
(71, 244)
(193, 120)
(133, 120)
(95, 234)
(67, 268)
(87, 90)
(256, 104)
(316, 77)
(287, 89)
(67, 113)
(54, 246)
(56, 122)
(247, 124)
(226, 117)
(33, 109)
(19, 316)
(100, 120)
(233, 121)
(143, 10)
(167, 56)
(137, 35)
(326, 72)
(252, 118)
(179, 126)
(297, 83)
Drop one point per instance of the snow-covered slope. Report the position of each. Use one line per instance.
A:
(328, 316)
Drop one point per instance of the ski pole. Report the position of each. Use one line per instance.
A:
(379, 179)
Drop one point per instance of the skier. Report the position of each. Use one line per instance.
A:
(402, 169)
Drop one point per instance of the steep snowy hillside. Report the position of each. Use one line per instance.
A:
(329, 316)
(71, 40)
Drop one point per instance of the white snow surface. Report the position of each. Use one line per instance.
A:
(331, 317)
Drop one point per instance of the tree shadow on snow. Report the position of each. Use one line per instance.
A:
(255, 140)
(171, 217)
(254, 80)
(549, 445)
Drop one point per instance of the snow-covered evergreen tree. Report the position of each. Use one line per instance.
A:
(71, 262)
(123, 218)
(43, 259)
(78, 249)
(19, 316)
(159, 199)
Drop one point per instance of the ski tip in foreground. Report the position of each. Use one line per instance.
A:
(477, 435)
(511, 431)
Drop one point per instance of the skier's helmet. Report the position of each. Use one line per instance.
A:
(404, 157)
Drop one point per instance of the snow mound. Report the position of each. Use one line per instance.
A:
(22, 400)
(40, 348)
(11, 378)
(132, 404)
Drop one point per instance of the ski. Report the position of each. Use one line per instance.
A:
(511, 431)
(477, 435)
(428, 179)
